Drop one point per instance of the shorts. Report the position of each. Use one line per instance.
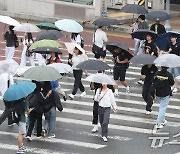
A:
(119, 72)
(22, 128)
(174, 71)
(98, 52)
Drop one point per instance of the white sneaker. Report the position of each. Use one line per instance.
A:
(141, 82)
(104, 138)
(95, 129)
(71, 96)
(52, 136)
(148, 112)
(83, 94)
(175, 90)
(28, 138)
(156, 127)
(116, 93)
(128, 89)
(164, 123)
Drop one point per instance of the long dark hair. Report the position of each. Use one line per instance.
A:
(11, 29)
(74, 36)
(29, 37)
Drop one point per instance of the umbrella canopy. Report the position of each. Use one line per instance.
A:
(49, 35)
(100, 78)
(111, 46)
(26, 27)
(163, 40)
(47, 50)
(8, 20)
(21, 70)
(178, 77)
(19, 90)
(70, 47)
(42, 73)
(47, 26)
(9, 66)
(168, 60)
(134, 8)
(44, 43)
(105, 22)
(142, 33)
(61, 68)
(143, 59)
(93, 65)
(157, 16)
(69, 25)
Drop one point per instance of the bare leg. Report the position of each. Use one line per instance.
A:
(20, 140)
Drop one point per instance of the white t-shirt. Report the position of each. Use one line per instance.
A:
(77, 39)
(76, 59)
(100, 38)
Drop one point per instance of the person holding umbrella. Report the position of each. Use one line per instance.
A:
(77, 58)
(54, 58)
(26, 55)
(11, 39)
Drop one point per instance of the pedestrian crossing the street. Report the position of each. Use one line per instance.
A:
(74, 124)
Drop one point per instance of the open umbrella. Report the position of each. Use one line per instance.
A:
(157, 16)
(134, 8)
(100, 78)
(61, 68)
(21, 70)
(42, 73)
(9, 66)
(168, 60)
(143, 59)
(8, 20)
(26, 27)
(178, 77)
(19, 90)
(47, 50)
(142, 33)
(44, 43)
(111, 46)
(105, 22)
(163, 40)
(47, 26)
(49, 35)
(93, 65)
(70, 47)
(69, 25)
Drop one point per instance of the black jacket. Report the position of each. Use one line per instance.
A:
(163, 80)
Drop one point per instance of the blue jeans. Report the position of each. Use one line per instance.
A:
(50, 121)
(174, 71)
(164, 101)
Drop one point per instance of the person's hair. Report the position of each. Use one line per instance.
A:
(149, 34)
(11, 29)
(29, 37)
(101, 71)
(164, 69)
(142, 17)
(79, 52)
(100, 26)
(173, 35)
(74, 36)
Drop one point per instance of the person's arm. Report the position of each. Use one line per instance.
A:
(112, 99)
(123, 61)
(105, 39)
(5, 35)
(171, 79)
(143, 73)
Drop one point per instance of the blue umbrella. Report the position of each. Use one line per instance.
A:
(163, 40)
(69, 25)
(19, 90)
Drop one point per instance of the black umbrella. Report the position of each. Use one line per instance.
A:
(93, 65)
(49, 35)
(157, 16)
(111, 46)
(105, 22)
(134, 8)
(47, 50)
(143, 59)
(142, 33)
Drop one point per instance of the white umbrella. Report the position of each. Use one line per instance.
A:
(8, 20)
(70, 47)
(168, 60)
(100, 78)
(178, 77)
(9, 66)
(61, 68)
(21, 70)
(27, 27)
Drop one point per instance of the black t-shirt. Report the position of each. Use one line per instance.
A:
(151, 47)
(10, 39)
(158, 29)
(121, 56)
(149, 73)
(175, 49)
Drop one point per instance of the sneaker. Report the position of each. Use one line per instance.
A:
(51, 136)
(28, 138)
(43, 133)
(21, 151)
(83, 94)
(148, 112)
(65, 96)
(95, 129)
(116, 94)
(104, 138)
(175, 90)
(12, 124)
(71, 96)
(140, 82)
(128, 89)
(156, 127)
(38, 137)
(164, 123)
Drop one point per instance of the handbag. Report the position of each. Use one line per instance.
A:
(98, 100)
(95, 49)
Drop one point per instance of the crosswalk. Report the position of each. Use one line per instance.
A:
(74, 124)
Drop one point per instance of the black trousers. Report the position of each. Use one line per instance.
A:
(147, 97)
(33, 117)
(95, 113)
(77, 83)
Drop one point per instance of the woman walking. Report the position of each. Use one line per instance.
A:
(106, 100)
